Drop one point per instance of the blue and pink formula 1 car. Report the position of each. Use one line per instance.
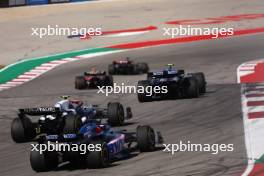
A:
(114, 145)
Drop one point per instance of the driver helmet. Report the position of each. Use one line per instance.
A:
(93, 70)
(170, 66)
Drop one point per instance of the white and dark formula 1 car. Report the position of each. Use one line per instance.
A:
(52, 120)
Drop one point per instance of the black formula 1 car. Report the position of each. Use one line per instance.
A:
(93, 79)
(53, 121)
(177, 83)
(127, 67)
(107, 146)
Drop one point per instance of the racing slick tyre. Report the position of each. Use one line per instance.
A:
(201, 81)
(72, 124)
(22, 130)
(98, 159)
(145, 138)
(149, 76)
(109, 81)
(80, 83)
(143, 97)
(43, 162)
(143, 67)
(193, 88)
(76, 159)
(111, 69)
(116, 114)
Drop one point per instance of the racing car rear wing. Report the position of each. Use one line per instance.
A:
(94, 74)
(165, 73)
(40, 111)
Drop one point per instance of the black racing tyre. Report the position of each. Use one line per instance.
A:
(143, 67)
(201, 81)
(136, 70)
(43, 162)
(80, 82)
(143, 96)
(111, 69)
(181, 72)
(193, 88)
(22, 130)
(116, 114)
(77, 159)
(72, 124)
(109, 80)
(149, 76)
(98, 159)
(145, 138)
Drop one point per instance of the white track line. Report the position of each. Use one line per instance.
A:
(39, 70)
(124, 34)
(255, 109)
(255, 98)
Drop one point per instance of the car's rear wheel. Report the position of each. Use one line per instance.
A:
(143, 67)
(111, 69)
(43, 162)
(72, 124)
(145, 138)
(116, 114)
(77, 159)
(143, 96)
(201, 81)
(193, 88)
(98, 159)
(80, 82)
(109, 81)
(22, 130)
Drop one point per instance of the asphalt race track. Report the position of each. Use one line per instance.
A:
(214, 118)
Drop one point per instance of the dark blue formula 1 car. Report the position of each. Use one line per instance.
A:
(177, 83)
(114, 145)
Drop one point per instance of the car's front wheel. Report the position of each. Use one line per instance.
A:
(116, 114)
(145, 138)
